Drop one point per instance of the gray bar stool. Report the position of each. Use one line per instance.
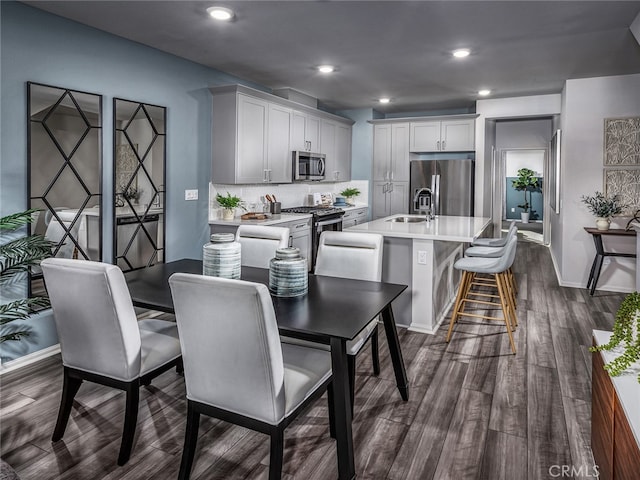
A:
(468, 292)
(496, 242)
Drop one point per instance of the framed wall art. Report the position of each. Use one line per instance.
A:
(622, 142)
(626, 183)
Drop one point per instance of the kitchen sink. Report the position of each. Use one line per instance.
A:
(407, 219)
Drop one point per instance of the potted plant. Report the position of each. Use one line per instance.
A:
(228, 204)
(603, 208)
(349, 193)
(626, 333)
(525, 182)
(17, 255)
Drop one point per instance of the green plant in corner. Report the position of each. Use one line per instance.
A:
(525, 182)
(17, 255)
(626, 330)
(350, 192)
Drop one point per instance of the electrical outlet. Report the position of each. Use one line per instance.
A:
(513, 210)
(422, 257)
(191, 194)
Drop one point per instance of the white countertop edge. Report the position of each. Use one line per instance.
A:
(625, 384)
(383, 227)
(272, 220)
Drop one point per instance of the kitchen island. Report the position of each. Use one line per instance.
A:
(421, 254)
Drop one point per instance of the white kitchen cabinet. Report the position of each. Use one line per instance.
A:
(279, 160)
(391, 152)
(354, 216)
(445, 135)
(254, 134)
(389, 198)
(251, 140)
(305, 132)
(335, 143)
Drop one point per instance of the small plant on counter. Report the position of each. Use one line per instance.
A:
(626, 332)
(229, 205)
(230, 201)
(350, 192)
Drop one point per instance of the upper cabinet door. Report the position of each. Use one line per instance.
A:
(328, 147)
(279, 157)
(298, 138)
(251, 141)
(458, 135)
(400, 152)
(343, 152)
(381, 152)
(312, 134)
(425, 136)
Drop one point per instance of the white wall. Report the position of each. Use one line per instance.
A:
(586, 103)
(501, 108)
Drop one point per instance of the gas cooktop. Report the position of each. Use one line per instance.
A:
(315, 210)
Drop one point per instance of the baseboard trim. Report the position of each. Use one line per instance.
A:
(29, 359)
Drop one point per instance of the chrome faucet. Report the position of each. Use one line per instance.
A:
(422, 202)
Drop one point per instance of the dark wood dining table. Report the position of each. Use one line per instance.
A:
(334, 311)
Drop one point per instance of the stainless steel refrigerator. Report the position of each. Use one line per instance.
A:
(451, 183)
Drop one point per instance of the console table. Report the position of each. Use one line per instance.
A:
(615, 417)
(600, 253)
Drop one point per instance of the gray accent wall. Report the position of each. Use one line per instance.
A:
(586, 103)
(39, 47)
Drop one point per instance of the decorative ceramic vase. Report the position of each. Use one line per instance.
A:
(602, 223)
(288, 275)
(228, 213)
(221, 257)
(524, 216)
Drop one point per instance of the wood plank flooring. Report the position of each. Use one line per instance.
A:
(475, 411)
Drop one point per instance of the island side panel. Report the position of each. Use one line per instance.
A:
(445, 279)
(396, 268)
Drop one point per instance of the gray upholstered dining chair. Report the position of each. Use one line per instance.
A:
(102, 341)
(357, 256)
(259, 243)
(235, 368)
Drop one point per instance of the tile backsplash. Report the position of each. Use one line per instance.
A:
(290, 195)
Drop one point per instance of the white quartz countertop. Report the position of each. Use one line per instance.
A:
(626, 384)
(271, 220)
(442, 228)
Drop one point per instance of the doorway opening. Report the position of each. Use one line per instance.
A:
(520, 202)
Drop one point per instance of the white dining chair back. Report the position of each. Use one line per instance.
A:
(101, 340)
(234, 365)
(350, 255)
(259, 243)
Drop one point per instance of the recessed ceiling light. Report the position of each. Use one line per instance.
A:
(484, 93)
(326, 68)
(220, 13)
(384, 100)
(461, 53)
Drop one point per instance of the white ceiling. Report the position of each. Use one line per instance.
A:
(385, 48)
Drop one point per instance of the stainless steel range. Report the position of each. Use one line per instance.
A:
(324, 218)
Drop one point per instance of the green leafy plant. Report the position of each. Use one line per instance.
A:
(626, 330)
(350, 192)
(603, 206)
(230, 201)
(17, 255)
(525, 182)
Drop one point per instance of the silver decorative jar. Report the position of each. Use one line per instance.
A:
(221, 257)
(288, 276)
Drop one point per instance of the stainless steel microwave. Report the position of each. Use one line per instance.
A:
(308, 166)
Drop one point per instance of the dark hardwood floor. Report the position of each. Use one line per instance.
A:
(475, 411)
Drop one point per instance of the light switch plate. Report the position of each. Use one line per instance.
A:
(422, 257)
(191, 194)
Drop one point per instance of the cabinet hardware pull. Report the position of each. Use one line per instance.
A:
(443, 145)
(438, 145)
